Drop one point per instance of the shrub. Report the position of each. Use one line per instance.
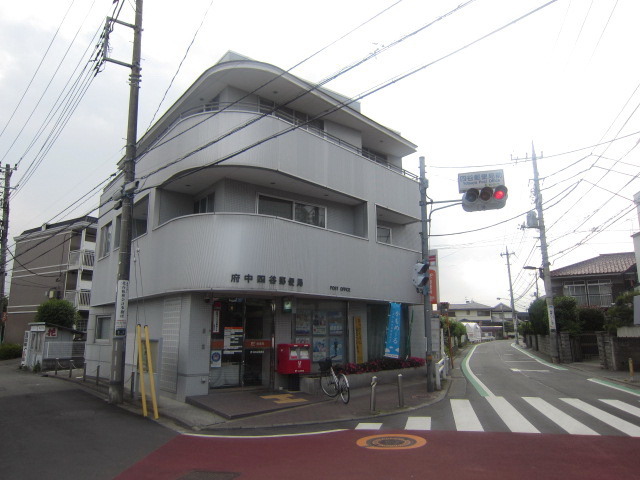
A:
(10, 350)
(591, 318)
(57, 312)
(379, 365)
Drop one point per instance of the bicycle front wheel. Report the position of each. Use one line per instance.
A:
(343, 387)
(328, 385)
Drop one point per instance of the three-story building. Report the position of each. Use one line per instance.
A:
(268, 211)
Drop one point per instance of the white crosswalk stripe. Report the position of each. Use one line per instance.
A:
(368, 426)
(514, 420)
(464, 416)
(564, 421)
(615, 422)
(520, 421)
(625, 407)
(418, 423)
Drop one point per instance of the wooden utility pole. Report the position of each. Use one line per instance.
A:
(116, 379)
(553, 335)
(3, 246)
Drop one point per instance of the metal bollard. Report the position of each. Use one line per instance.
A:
(374, 382)
(71, 365)
(98, 376)
(84, 372)
(631, 369)
(55, 369)
(400, 392)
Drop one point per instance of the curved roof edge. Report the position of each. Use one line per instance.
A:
(275, 84)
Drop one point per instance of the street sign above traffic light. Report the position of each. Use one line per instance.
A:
(482, 190)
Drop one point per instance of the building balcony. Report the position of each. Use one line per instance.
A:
(81, 299)
(240, 254)
(81, 260)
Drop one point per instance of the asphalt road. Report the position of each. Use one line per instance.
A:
(52, 429)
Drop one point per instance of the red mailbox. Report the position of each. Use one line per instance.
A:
(294, 358)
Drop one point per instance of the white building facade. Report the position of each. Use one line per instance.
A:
(267, 212)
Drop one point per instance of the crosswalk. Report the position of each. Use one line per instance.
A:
(571, 415)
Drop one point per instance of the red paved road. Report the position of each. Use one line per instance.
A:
(478, 456)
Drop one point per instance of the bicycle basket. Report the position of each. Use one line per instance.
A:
(325, 364)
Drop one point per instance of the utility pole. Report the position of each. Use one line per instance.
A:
(3, 245)
(116, 379)
(425, 290)
(553, 335)
(513, 309)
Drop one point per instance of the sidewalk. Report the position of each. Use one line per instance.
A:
(255, 408)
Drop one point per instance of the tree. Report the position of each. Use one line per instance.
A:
(538, 317)
(621, 314)
(566, 312)
(591, 319)
(57, 312)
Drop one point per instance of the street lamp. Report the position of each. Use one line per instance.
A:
(529, 267)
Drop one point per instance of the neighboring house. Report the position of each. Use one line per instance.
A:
(53, 261)
(49, 347)
(597, 281)
(470, 312)
(300, 227)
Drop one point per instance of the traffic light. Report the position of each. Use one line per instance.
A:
(420, 276)
(487, 198)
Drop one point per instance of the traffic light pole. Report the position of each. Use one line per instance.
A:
(425, 290)
(553, 335)
(116, 379)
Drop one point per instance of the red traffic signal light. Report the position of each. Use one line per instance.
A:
(488, 198)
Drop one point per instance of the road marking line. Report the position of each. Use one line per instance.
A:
(475, 381)
(514, 420)
(625, 407)
(521, 370)
(368, 426)
(564, 421)
(615, 386)
(464, 416)
(418, 423)
(613, 421)
(547, 364)
(186, 434)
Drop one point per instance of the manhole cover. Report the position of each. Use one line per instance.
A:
(391, 442)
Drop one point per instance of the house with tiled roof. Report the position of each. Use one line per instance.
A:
(596, 281)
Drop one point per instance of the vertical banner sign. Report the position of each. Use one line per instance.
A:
(122, 304)
(433, 277)
(552, 318)
(392, 347)
(357, 326)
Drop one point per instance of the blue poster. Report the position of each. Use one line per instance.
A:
(392, 347)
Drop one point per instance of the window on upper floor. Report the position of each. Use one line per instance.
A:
(384, 235)
(204, 204)
(116, 233)
(484, 313)
(105, 240)
(139, 217)
(590, 293)
(298, 211)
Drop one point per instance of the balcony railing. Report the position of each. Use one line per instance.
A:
(285, 116)
(81, 299)
(81, 259)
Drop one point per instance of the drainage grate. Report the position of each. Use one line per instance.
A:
(200, 475)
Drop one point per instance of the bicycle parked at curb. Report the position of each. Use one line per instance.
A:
(331, 383)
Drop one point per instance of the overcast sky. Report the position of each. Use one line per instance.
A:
(564, 77)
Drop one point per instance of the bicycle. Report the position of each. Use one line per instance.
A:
(331, 383)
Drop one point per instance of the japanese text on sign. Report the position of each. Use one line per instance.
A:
(264, 279)
(489, 178)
